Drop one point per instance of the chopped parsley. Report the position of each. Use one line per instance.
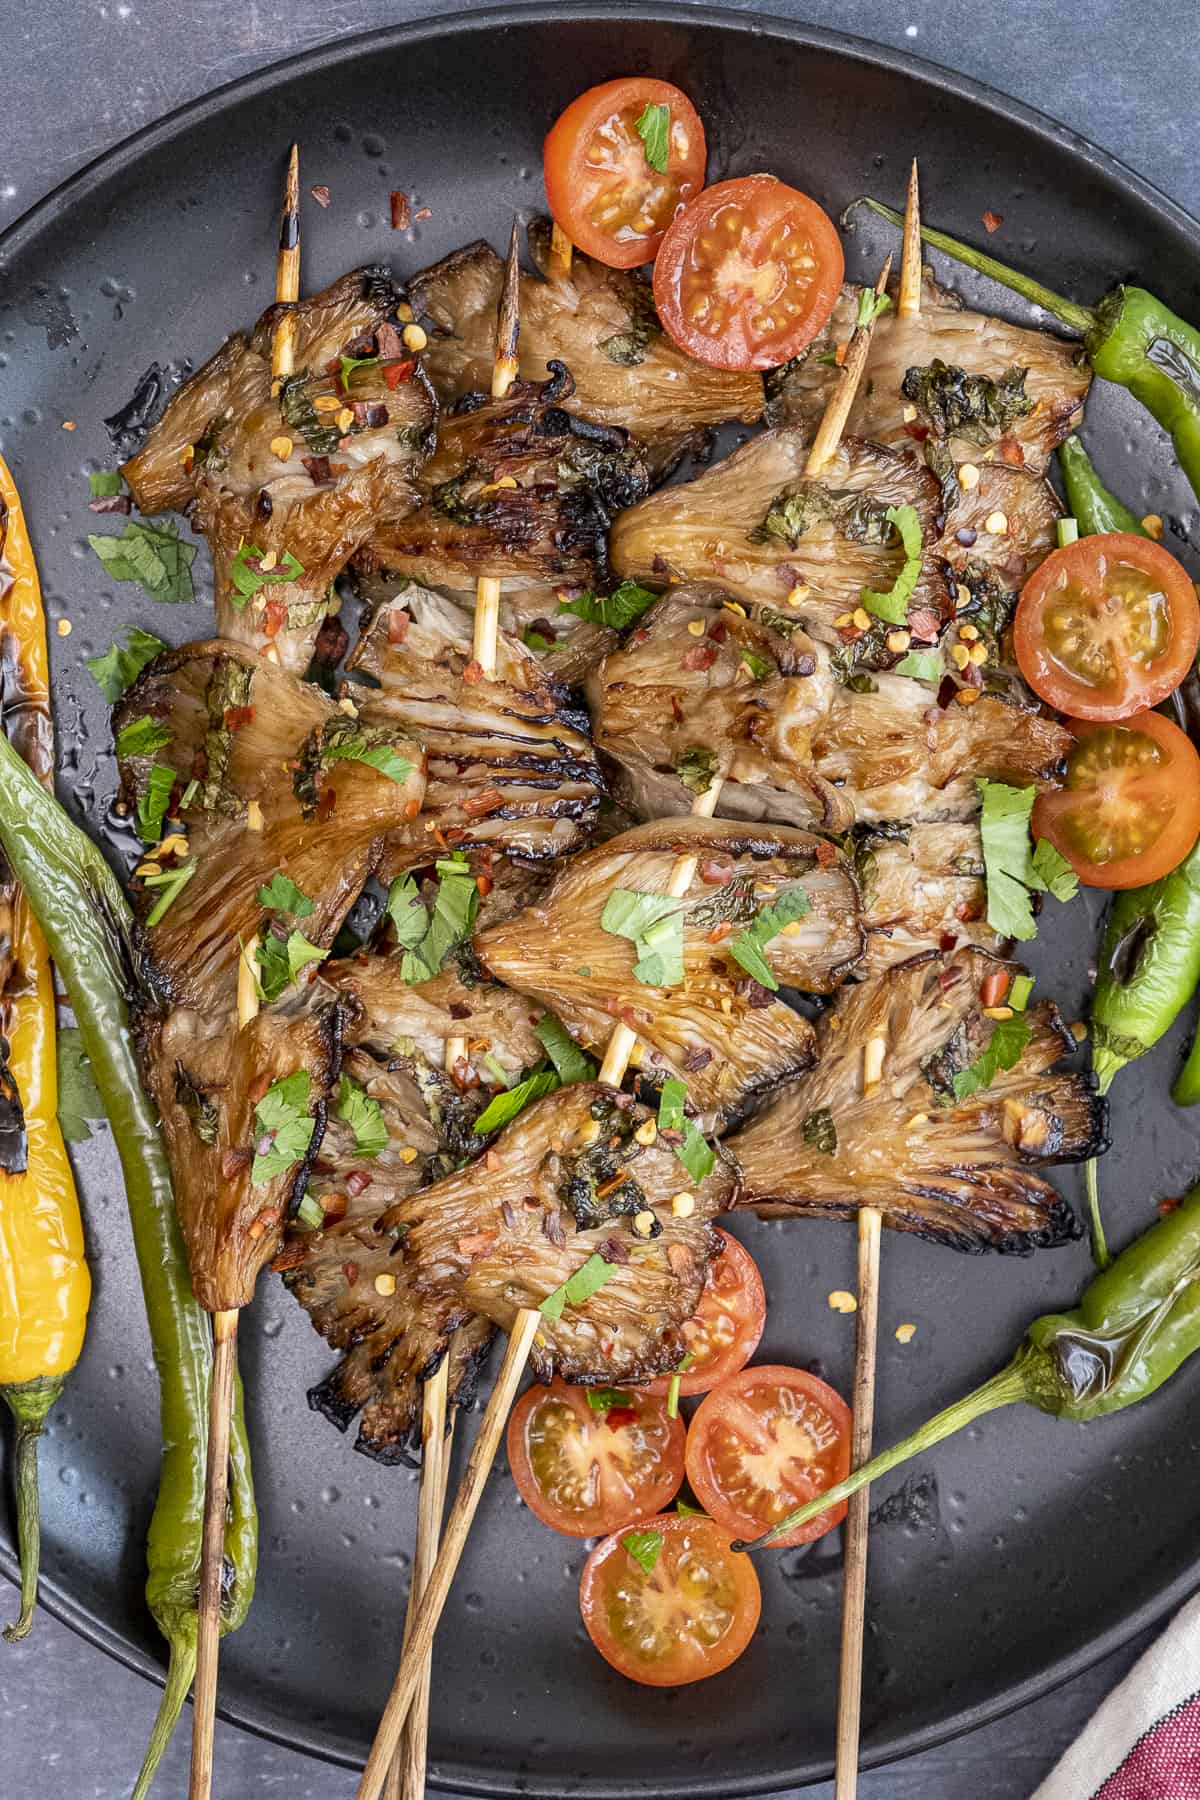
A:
(645, 1547)
(152, 555)
(428, 939)
(280, 961)
(357, 747)
(281, 894)
(142, 738)
(694, 1152)
(153, 802)
(654, 923)
(748, 946)
(247, 575)
(1016, 869)
(654, 129)
(578, 1288)
(618, 609)
(284, 1129)
(1004, 1050)
(893, 606)
(120, 667)
(363, 1115)
(569, 1060)
(172, 883)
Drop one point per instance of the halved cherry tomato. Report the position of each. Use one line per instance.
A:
(1107, 626)
(602, 189)
(764, 1442)
(583, 1470)
(748, 273)
(1129, 810)
(723, 1335)
(688, 1615)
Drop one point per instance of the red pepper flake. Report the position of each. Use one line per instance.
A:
(1012, 453)
(992, 222)
(718, 631)
(389, 345)
(357, 1182)
(263, 1221)
(676, 709)
(259, 1086)
(923, 624)
(508, 1215)
(1167, 1207)
(723, 930)
(237, 716)
(478, 1243)
(400, 212)
(319, 472)
(398, 624)
(947, 942)
(489, 801)
(114, 503)
(994, 987)
(275, 614)
(701, 657)
(839, 354)
(333, 1206)
(411, 808)
(917, 432)
(350, 1271)
(473, 673)
(484, 884)
(396, 373)
(967, 911)
(426, 212)
(491, 1162)
(320, 194)
(714, 874)
(616, 1416)
(826, 853)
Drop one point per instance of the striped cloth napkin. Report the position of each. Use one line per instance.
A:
(1144, 1742)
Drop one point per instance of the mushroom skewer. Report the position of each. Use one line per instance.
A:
(620, 1048)
(870, 1221)
(225, 1321)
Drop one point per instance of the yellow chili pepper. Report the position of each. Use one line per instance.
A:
(44, 1282)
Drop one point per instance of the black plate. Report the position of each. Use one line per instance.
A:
(1017, 1553)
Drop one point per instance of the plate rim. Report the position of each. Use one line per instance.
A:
(122, 156)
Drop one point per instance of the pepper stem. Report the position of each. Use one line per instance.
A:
(29, 1402)
(1004, 1389)
(1068, 312)
(1099, 1241)
(180, 1671)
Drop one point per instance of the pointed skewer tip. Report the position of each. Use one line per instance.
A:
(908, 304)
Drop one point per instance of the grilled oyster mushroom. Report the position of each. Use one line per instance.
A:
(276, 777)
(968, 378)
(767, 532)
(922, 889)
(601, 323)
(287, 485)
(755, 697)
(207, 1078)
(719, 1031)
(508, 764)
(959, 1172)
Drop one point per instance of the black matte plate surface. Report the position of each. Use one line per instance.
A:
(1012, 1556)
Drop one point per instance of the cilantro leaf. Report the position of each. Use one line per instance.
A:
(106, 484)
(142, 738)
(1014, 866)
(78, 1100)
(172, 882)
(870, 306)
(568, 1059)
(748, 946)
(654, 922)
(1052, 872)
(282, 1117)
(1004, 1051)
(645, 1547)
(120, 667)
(893, 606)
(455, 909)
(280, 960)
(384, 757)
(921, 665)
(503, 1109)
(247, 575)
(152, 555)
(578, 1288)
(281, 894)
(364, 1116)
(654, 129)
(619, 609)
(694, 1152)
(153, 802)
(406, 912)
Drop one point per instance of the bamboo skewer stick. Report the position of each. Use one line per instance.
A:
(833, 420)
(406, 1776)
(620, 1048)
(504, 373)
(870, 1222)
(225, 1322)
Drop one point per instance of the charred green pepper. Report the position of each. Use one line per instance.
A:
(1093, 507)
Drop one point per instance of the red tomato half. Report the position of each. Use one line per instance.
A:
(601, 186)
(688, 1615)
(724, 1334)
(583, 1470)
(762, 1444)
(748, 273)
(1107, 626)
(1129, 809)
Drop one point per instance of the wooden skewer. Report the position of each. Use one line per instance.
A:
(504, 373)
(225, 1323)
(870, 1222)
(908, 304)
(833, 420)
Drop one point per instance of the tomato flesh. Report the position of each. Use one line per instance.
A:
(748, 273)
(763, 1443)
(584, 1471)
(687, 1617)
(1107, 626)
(1129, 808)
(728, 1323)
(602, 189)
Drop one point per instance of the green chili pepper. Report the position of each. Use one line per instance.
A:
(1087, 497)
(1186, 1091)
(1130, 338)
(1137, 1321)
(83, 913)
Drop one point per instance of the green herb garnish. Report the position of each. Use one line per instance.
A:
(281, 894)
(282, 1116)
(428, 940)
(921, 665)
(120, 667)
(602, 1399)
(247, 575)
(694, 1152)
(280, 961)
(893, 606)
(579, 1287)
(654, 129)
(153, 802)
(1004, 1051)
(696, 767)
(654, 923)
(363, 1115)
(172, 883)
(1015, 868)
(618, 609)
(504, 1107)
(310, 1212)
(347, 366)
(106, 484)
(870, 305)
(142, 738)
(569, 1060)
(384, 757)
(645, 1547)
(748, 946)
(820, 1131)
(152, 555)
